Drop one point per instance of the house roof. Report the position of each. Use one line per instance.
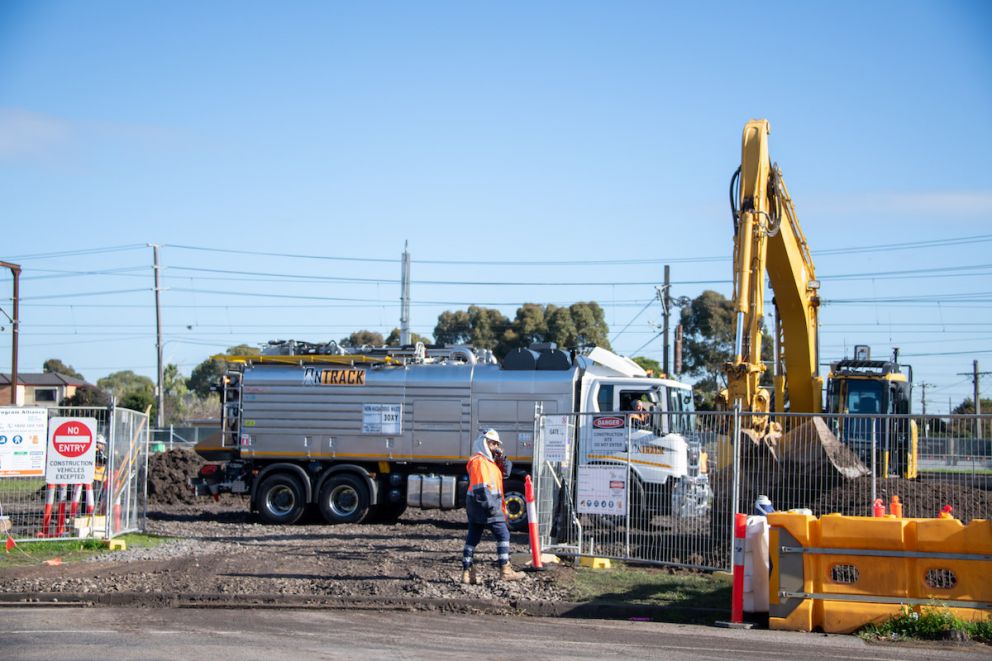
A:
(42, 379)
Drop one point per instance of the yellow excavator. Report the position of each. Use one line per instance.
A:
(768, 239)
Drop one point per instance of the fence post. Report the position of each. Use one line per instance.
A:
(108, 490)
(629, 422)
(874, 458)
(735, 498)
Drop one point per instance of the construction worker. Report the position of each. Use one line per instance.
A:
(640, 418)
(485, 507)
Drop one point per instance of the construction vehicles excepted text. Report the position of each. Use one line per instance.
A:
(363, 435)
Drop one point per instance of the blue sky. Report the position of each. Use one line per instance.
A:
(505, 137)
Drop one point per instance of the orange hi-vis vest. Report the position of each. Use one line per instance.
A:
(483, 471)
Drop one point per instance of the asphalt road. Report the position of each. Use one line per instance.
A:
(227, 634)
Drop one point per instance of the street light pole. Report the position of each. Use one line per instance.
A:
(159, 415)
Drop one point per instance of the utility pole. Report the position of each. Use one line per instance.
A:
(15, 323)
(666, 306)
(975, 379)
(160, 414)
(405, 297)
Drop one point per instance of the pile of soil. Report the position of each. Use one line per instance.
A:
(168, 473)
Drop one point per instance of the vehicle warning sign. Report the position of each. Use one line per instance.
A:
(71, 450)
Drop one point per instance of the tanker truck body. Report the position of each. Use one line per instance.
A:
(362, 436)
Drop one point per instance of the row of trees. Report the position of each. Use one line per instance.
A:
(708, 335)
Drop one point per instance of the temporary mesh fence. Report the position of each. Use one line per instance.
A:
(663, 490)
(114, 502)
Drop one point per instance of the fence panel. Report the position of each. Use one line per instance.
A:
(113, 503)
(666, 512)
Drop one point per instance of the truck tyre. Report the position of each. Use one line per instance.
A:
(344, 498)
(516, 505)
(280, 499)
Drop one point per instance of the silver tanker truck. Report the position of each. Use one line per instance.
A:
(363, 435)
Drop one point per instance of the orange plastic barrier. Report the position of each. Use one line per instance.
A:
(839, 573)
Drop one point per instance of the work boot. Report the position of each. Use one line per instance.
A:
(469, 577)
(506, 573)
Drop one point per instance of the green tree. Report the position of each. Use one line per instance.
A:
(56, 366)
(176, 394)
(87, 396)
(211, 370)
(580, 324)
(393, 339)
(363, 338)
(481, 327)
(967, 407)
(650, 365)
(120, 384)
(709, 324)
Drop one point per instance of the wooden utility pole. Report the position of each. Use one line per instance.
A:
(15, 323)
(976, 375)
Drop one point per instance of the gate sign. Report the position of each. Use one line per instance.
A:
(22, 441)
(71, 450)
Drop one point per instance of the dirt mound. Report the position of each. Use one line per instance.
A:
(920, 498)
(168, 473)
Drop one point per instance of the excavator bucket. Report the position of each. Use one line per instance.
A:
(812, 446)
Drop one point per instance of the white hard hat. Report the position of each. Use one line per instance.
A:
(492, 435)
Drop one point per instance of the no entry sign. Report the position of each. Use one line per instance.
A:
(71, 450)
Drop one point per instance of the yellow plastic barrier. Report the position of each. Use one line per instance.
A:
(839, 573)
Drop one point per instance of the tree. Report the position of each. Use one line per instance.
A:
(120, 384)
(708, 326)
(54, 365)
(967, 407)
(393, 339)
(175, 394)
(650, 365)
(211, 370)
(481, 327)
(363, 338)
(87, 396)
(580, 324)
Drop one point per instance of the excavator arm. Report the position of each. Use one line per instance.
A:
(768, 239)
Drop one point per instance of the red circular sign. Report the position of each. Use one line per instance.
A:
(72, 439)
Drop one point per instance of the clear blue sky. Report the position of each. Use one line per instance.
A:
(600, 134)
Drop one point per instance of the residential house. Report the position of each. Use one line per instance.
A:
(46, 389)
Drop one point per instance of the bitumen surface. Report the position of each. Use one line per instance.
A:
(48, 632)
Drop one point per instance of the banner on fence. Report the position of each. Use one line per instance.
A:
(71, 451)
(556, 441)
(609, 435)
(602, 490)
(22, 444)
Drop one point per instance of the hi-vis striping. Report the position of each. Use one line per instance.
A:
(316, 376)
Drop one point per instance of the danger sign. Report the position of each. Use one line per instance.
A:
(71, 450)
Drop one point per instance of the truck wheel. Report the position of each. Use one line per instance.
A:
(280, 499)
(516, 505)
(344, 499)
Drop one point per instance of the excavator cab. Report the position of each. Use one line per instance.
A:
(870, 388)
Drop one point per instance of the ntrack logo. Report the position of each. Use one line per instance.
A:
(607, 422)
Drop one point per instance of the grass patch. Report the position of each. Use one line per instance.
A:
(71, 550)
(18, 486)
(670, 597)
(931, 623)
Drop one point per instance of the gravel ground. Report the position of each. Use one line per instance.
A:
(222, 549)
